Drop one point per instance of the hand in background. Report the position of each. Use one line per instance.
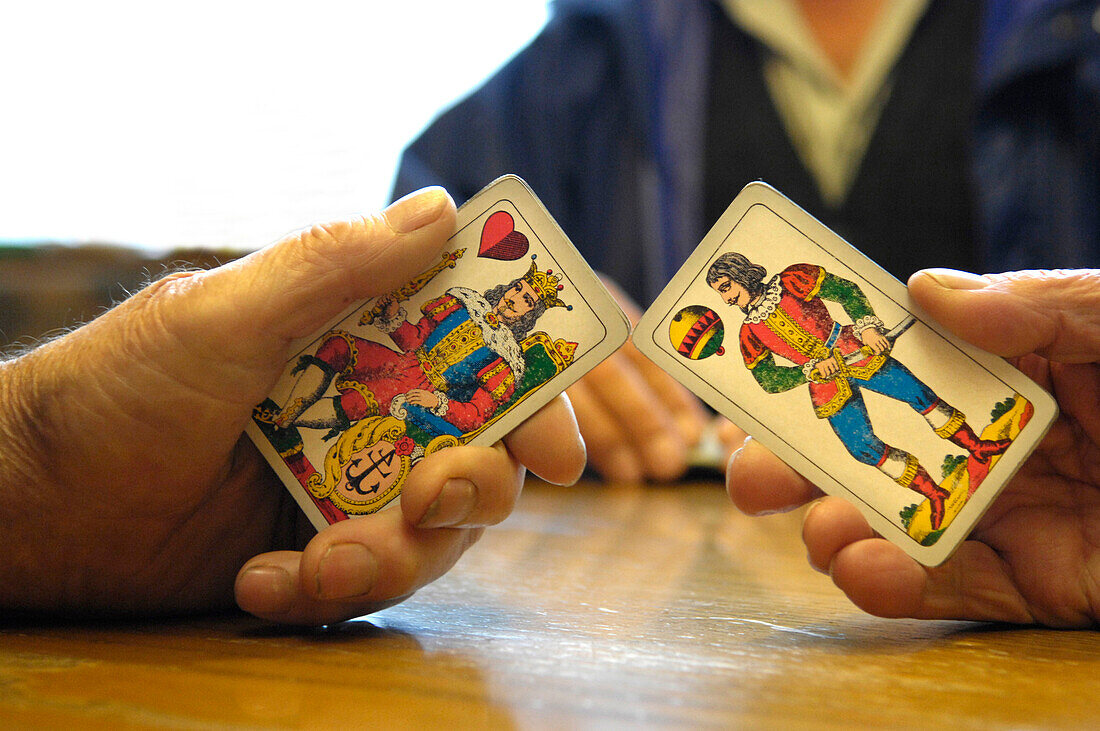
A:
(637, 422)
(127, 488)
(1035, 555)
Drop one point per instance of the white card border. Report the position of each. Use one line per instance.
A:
(649, 328)
(614, 321)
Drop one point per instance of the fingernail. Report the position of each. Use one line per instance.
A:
(809, 555)
(810, 509)
(271, 584)
(346, 570)
(454, 505)
(954, 279)
(416, 210)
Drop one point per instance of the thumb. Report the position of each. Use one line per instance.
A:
(296, 285)
(250, 310)
(1055, 314)
(174, 371)
(227, 331)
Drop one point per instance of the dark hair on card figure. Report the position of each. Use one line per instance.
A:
(740, 271)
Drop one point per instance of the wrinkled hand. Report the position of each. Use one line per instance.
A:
(1035, 555)
(637, 422)
(126, 486)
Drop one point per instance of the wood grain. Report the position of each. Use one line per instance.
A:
(592, 606)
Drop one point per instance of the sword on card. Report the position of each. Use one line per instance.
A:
(865, 352)
(893, 334)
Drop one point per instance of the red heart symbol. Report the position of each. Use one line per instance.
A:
(500, 240)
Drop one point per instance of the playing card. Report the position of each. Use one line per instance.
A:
(508, 318)
(819, 354)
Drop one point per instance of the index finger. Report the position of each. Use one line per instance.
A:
(549, 443)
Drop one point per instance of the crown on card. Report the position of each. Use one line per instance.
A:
(546, 285)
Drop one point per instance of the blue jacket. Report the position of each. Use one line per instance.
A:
(603, 114)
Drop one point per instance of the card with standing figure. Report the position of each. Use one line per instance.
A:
(509, 317)
(819, 354)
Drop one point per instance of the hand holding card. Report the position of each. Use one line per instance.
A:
(826, 361)
(158, 501)
(507, 318)
(1025, 558)
(637, 422)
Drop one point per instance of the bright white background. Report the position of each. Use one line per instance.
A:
(221, 123)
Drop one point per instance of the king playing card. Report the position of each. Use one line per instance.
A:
(508, 318)
(820, 355)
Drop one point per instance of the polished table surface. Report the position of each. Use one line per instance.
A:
(592, 606)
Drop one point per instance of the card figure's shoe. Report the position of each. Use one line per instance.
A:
(978, 463)
(982, 452)
(937, 496)
(980, 449)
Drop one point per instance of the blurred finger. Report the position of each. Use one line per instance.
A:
(759, 483)
(679, 413)
(609, 451)
(686, 410)
(731, 436)
(628, 400)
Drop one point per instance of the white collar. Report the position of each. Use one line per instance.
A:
(765, 306)
(498, 338)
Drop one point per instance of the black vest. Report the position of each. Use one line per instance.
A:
(910, 205)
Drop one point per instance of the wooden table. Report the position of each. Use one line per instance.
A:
(592, 606)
